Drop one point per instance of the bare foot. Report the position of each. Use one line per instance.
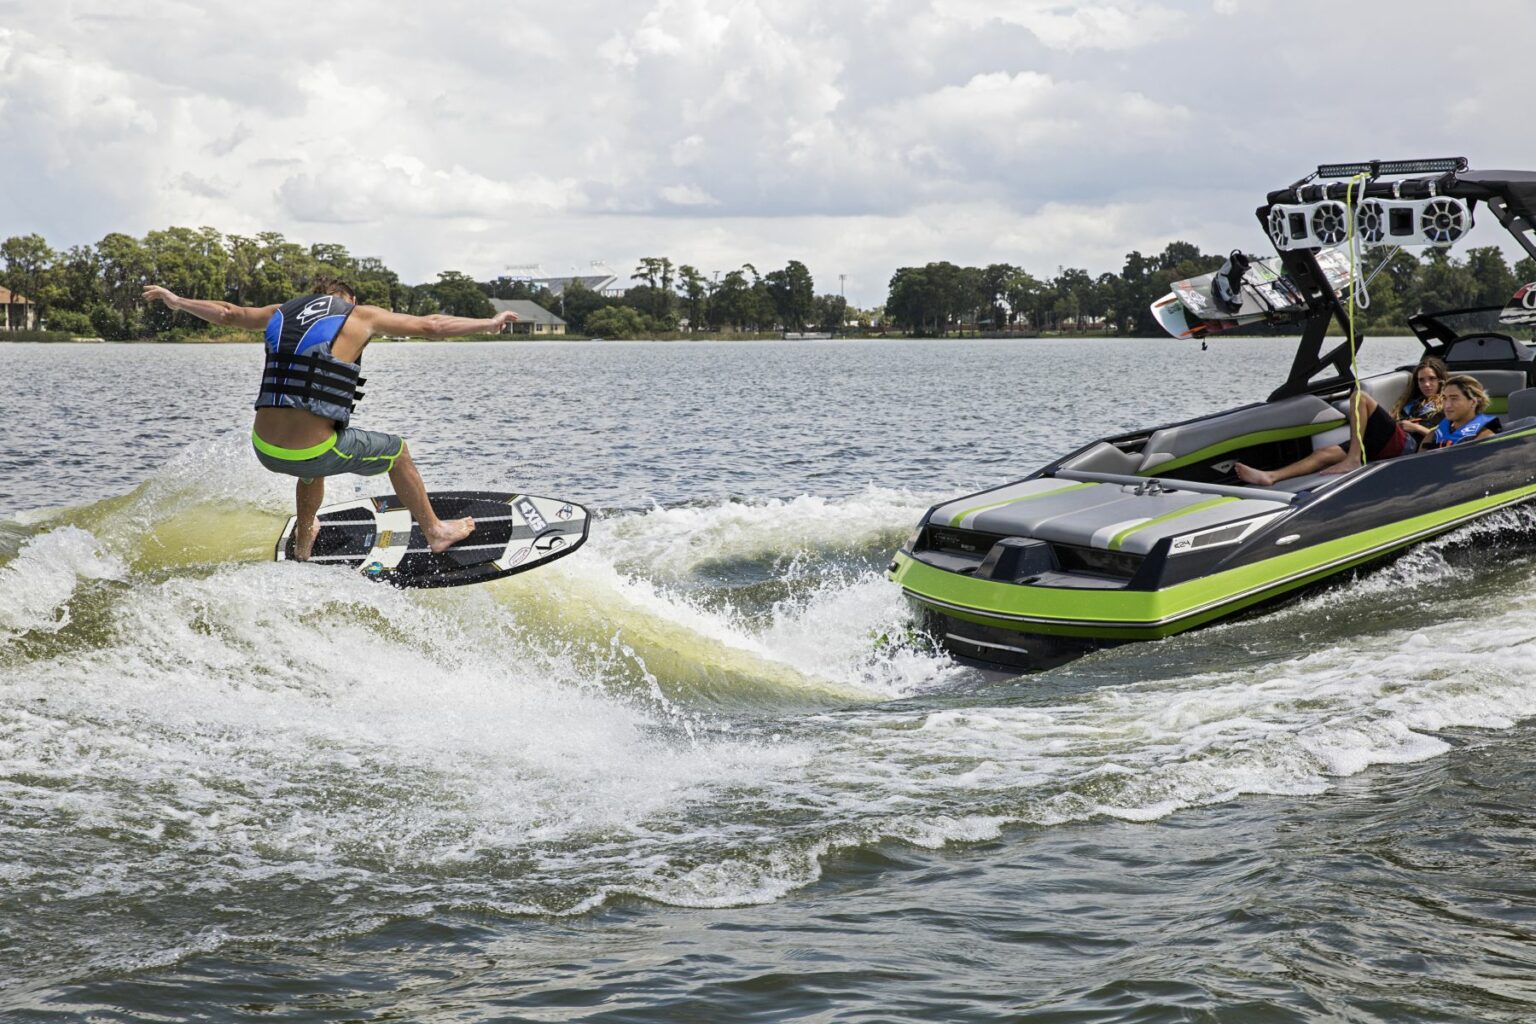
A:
(1347, 466)
(449, 532)
(1249, 475)
(304, 540)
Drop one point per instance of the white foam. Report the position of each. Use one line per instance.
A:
(36, 586)
(674, 541)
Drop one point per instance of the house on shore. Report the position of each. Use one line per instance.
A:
(17, 312)
(532, 318)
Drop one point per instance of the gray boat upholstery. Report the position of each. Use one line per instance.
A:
(1104, 457)
(1499, 384)
(1387, 388)
(1179, 445)
(1522, 403)
(1105, 516)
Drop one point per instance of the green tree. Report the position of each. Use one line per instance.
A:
(792, 294)
(617, 322)
(694, 291)
(459, 295)
(285, 269)
(1493, 282)
(27, 260)
(1443, 283)
(578, 302)
(125, 270)
(79, 275)
(655, 273)
(830, 312)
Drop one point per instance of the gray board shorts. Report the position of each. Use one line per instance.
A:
(364, 452)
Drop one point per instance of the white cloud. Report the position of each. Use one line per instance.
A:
(353, 190)
(853, 137)
(1073, 26)
(688, 195)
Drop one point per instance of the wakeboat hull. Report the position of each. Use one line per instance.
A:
(1147, 535)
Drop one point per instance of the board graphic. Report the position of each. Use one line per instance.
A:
(377, 537)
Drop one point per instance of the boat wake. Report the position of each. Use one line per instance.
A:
(695, 710)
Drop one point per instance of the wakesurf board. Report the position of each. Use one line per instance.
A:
(378, 538)
(1268, 295)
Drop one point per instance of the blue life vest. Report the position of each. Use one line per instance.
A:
(300, 372)
(1445, 434)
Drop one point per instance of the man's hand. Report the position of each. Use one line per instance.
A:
(153, 292)
(502, 319)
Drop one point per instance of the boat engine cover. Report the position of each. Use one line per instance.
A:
(1017, 558)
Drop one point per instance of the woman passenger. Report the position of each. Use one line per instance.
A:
(1464, 400)
(1418, 410)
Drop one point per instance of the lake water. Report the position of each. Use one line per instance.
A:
(680, 776)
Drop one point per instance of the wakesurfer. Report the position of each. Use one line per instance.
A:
(310, 384)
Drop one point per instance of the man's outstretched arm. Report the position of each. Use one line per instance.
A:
(227, 314)
(382, 321)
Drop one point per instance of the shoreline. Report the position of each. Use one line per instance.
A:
(254, 338)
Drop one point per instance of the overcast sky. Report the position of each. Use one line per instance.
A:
(856, 137)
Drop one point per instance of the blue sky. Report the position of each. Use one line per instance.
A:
(854, 136)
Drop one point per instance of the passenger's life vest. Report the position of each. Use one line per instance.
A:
(300, 372)
(1445, 434)
(1421, 409)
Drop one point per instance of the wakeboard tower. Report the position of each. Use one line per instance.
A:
(1151, 533)
(378, 538)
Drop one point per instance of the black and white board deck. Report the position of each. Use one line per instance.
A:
(378, 538)
(1268, 294)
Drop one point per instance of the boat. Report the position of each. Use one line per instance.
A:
(1149, 534)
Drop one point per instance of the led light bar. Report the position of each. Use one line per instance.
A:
(1377, 168)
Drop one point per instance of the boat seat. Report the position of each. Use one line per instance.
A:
(1104, 457)
(1521, 403)
(1188, 443)
(1388, 388)
(1499, 384)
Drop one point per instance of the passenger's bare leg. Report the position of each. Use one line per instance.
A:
(441, 533)
(1361, 406)
(308, 496)
(1319, 461)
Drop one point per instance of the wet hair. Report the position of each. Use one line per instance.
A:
(1412, 393)
(1471, 387)
(325, 284)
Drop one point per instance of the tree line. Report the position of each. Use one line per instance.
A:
(95, 289)
(941, 298)
(666, 298)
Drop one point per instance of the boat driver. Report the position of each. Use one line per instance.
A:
(309, 386)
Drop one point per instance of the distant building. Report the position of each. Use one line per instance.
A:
(532, 318)
(17, 312)
(603, 284)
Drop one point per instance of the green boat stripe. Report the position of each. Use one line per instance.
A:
(1233, 444)
(1140, 613)
(955, 520)
(293, 454)
(1200, 506)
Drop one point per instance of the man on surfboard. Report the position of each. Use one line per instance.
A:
(309, 386)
